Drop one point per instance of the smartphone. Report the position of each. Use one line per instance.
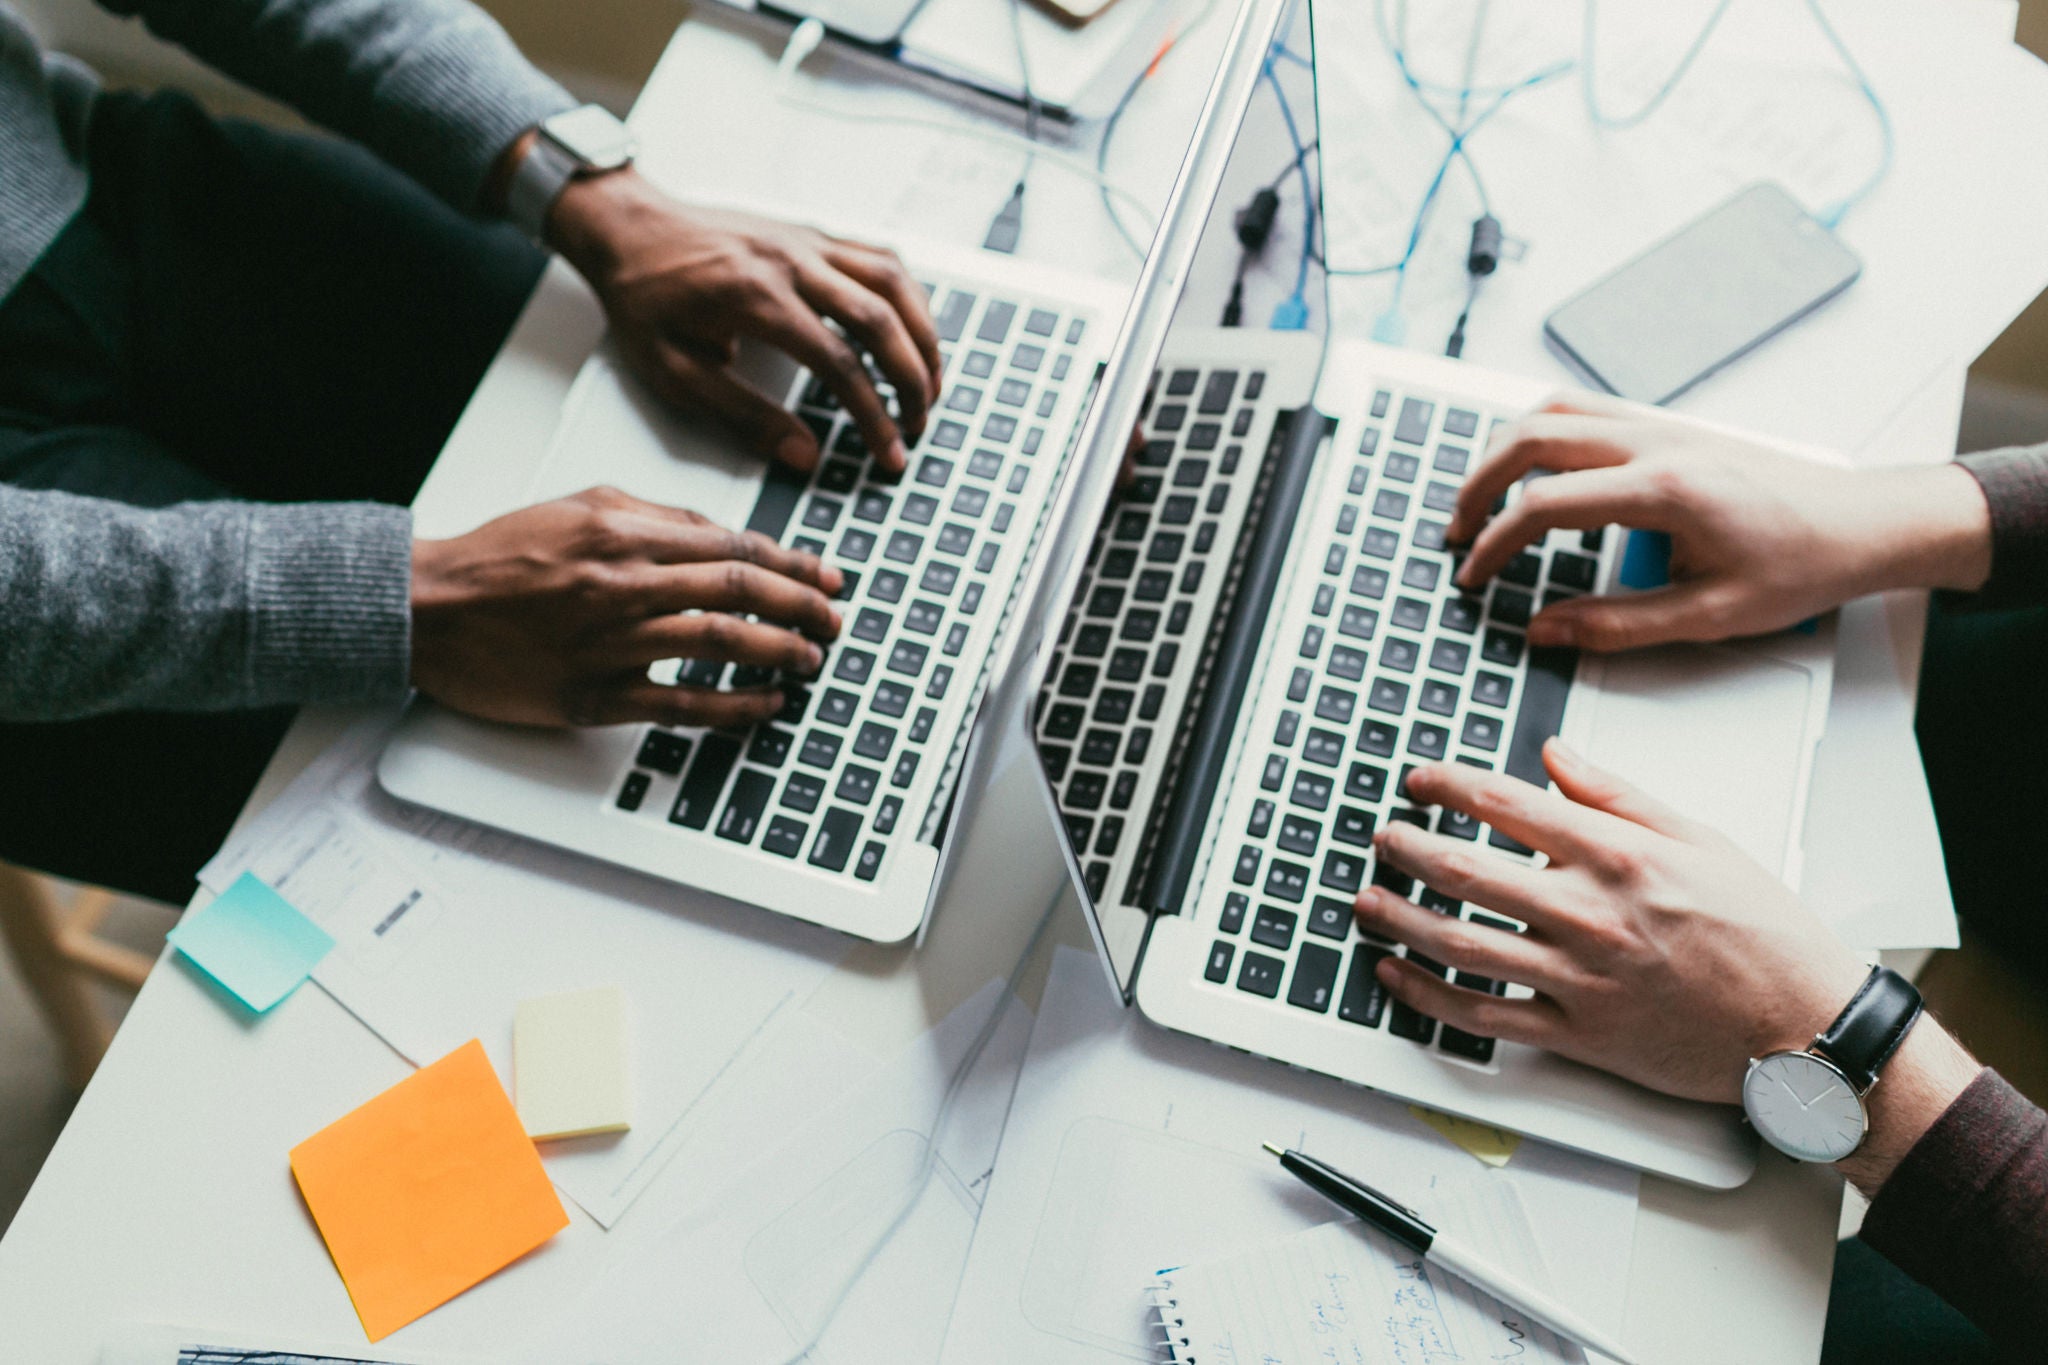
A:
(1708, 294)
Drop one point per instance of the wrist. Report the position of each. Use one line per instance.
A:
(1915, 1089)
(1931, 529)
(596, 219)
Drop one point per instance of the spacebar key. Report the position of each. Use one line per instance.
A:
(836, 835)
(780, 492)
(1542, 713)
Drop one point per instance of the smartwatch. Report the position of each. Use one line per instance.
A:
(568, 146)
(1809, 1105)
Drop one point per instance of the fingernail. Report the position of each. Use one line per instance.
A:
(817, 658)
(899, 454)
(837, 620)
(1552, 630)
(796, 451)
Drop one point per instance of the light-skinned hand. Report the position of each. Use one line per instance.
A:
(1760, 540)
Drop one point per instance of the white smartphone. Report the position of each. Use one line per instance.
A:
(1703, 297)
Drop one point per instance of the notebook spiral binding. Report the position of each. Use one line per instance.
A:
(1170, 1332)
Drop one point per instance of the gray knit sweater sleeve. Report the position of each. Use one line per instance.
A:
(435, 87)
(198, 606)
(2015, 484)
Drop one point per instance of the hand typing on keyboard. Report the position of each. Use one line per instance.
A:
(681, 286)
(1760, 540)
(552, 615)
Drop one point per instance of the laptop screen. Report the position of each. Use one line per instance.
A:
(1211, 383)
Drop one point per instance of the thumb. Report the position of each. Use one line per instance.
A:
(1677, 611)
(1580, 781)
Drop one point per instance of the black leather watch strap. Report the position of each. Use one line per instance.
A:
(1871, 1027)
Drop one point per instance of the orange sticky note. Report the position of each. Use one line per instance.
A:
(428, 1189)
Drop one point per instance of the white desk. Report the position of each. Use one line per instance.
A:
(169, 1196)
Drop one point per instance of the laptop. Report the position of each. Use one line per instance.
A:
(1237, 649)
(838, 811)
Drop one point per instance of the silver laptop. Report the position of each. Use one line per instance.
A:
(838, 811)
(1238, 651)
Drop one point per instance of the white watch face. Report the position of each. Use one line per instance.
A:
(593, 136)
(1803, 1106)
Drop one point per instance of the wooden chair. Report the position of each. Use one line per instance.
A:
(55, 946)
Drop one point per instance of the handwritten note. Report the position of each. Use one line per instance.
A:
(1340, 1294)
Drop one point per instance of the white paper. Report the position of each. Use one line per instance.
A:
(443, 927)
(1954, 241)
(1345, 1292)
(746, 1278)
(1130, 1149)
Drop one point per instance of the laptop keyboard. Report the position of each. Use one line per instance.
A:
(1381, 665)
(1128, 651)
(853, 762)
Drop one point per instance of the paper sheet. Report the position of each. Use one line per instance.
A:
(1130, 1149)
(745, 1279)
(1486, 1144)
(1344, 1292)
(443, 927)
(425, 1190)
(1954, 241)
(253, 942)
(151, 1344)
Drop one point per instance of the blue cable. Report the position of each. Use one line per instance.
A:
(1292, 312)
(1662, 93)
(1835, 212)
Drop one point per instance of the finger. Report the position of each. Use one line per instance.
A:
(713, 635)
(1533, 1022)
(705, 542)
(1602, 790)
(1493, 953)
(880, 270)
(732, 586)
(1543, 440)
(1590, 404)
(693, 384)
(1577, 501)
(1678, 611)
(872, 321)
(1532, 815)
(1455, 868)
(792, 326)
(638, 700)
(604, 495)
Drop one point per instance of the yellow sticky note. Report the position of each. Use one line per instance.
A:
(569, 1064)
(428, 1189)
(1491, 1145)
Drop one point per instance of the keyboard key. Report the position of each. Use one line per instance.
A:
(1402, 468)
(1218, 969)
(1315, 977)
(1404, 1022)
(1323, 747)
(1113, 707)
(1347, 663)
(663, 752)
(1124, 790)
(1179, 511)
(908, 657)
(1085, 790)
(1400, 654)
(1422, 575)
(770, 746)
(1390, 504)
(853, 666)
(1286, 881)
(1364, 999)
(1438, 698)
(1100, 748)
(869, 863)
(1247, 870)
(634, 790)
(1330, 918)
(1429, 535)
(750, 793)
(1126, 665)
(1261, 975)
(1390, 878)
(1451, 459)
(1380, 543)
(820, 749)
(1439, 496)
(1542, 712)
(871, 625)
(823, 513)
(921, 728)
(1523, 569)
(1297, 836)
(705, 780)
(1378, 738)
(1412, 425)
(955, 539)
(951, 318)
(1343, 871)
(1366, 783)
(1510, 608)
(785, 836)
(889, 585)
(1491, 689)
(1388, 696)
(1055, 757)
(1261, 822)
(1357, 622)
(1274, 928)
(1409, 613)
(939, 577)
(802, 792)
(856, 546)
(857, 784)
(1448, 656)
(837, 833)
(1457, 824)
(1275, 773)
(1572, 571)
(874, 740)
(1502, 647)
(1334, 704)
(1460, 422)
(1353, 826)
(1234, 907)
(995, 322)
(970, 599)
(1428, 741)
(1481, 732)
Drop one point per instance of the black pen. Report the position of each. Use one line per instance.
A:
(1407, 1227)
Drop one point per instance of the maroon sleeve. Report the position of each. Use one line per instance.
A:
(1966, 1212)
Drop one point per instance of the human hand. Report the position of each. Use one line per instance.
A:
(681, 286)
(551, 615)
(1760, 540)
(1656, 949)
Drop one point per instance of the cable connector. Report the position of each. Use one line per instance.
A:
(1255, 221)
(1008, 225)
(1390, 328)
(1233, 311)
(1483, 258)
(1291, 315)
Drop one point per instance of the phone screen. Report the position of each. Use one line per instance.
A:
(1714, 290)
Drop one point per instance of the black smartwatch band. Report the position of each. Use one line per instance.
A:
(1871, 1026)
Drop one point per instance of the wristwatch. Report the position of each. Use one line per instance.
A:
(570, 145)
(1809, 1105)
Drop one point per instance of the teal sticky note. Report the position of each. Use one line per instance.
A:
(253, 941)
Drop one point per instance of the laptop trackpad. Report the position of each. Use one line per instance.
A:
(1717, 732)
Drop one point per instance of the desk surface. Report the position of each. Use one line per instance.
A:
(169, 1199)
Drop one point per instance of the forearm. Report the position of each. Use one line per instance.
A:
(200, 606)
(1918, 1085)
(1922, 528)
(433, 86)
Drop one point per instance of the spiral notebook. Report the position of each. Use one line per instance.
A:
(1343, 1292)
